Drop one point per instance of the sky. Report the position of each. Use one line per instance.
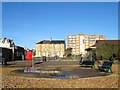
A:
(27, 23)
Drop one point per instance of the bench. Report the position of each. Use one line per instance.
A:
(87, 63)
(106, 67)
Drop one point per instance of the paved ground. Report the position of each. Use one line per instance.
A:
(39, 63)
(18, 81)
(70, 67)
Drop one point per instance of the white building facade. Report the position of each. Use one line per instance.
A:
(80, 42)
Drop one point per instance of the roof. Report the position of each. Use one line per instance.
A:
(101, 42)
(51, 42)
(19, 47)
(110, 42)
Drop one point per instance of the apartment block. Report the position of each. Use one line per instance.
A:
(80, 42)
(50, 48)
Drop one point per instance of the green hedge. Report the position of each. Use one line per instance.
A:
(108, 52)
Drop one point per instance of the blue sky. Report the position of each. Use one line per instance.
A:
(28, 23)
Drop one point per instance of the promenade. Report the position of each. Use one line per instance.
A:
(92, 77)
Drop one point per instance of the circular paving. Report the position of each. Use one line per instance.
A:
(56, 69)
(64, 72)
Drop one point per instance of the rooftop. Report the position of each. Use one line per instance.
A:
(51, 42)
(110, 42)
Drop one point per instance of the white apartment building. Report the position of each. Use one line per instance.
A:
(80, 42)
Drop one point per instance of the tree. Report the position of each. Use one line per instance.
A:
(68, 52)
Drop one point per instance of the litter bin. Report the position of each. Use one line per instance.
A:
(44, 58)
(4, 62)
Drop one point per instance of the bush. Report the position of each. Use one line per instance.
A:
(108, 52)
(69, 56)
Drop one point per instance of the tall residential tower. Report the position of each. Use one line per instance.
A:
(80, 42)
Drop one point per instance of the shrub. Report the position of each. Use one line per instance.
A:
(108, 52)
